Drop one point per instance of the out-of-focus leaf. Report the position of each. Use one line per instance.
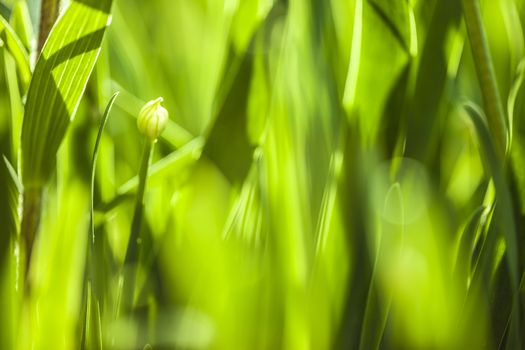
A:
(21, 22)
(18, 51)
(230, 128)
(92, 329)
(513, 95)
(58, 84)
(377, 46)
(503, 213)
(396, 15)
(10, 189)
(17, 108)
(176, 161)
(466, 245)
(431, 80)
(389, 241)
(13, 188)
(514, 30)
(249, 15)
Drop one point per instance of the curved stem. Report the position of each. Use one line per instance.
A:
(485, 72)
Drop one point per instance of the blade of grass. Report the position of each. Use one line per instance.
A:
(503, 213)
(93, 327)
(17, 107)
(10, 189)
(466, 246)
(58, 83)
(378, 304)
(21, 22)
(94, 161)
(512, 98)
(134, 242)
(18, 51)
(486, 76)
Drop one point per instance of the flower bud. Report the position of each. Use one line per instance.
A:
(153, 119)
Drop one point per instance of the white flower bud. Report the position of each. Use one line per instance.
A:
(153, 119)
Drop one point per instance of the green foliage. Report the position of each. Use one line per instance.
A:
(325, 179)
(58, 82)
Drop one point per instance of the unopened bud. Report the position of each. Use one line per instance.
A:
(153, 119)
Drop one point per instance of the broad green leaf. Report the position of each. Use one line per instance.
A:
(58, 83)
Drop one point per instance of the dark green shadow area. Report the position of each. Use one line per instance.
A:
(101, 5)
(82, 45)
(230, 129)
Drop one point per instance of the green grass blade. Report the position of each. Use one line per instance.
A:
(513, 96)
(485, 71)
(503, 212)
(16, 104)
(58, 83)
(396, 15)
(17, 49)
(21, 23)
(378, 302)
(431, 80)
(94, 161)
(10, 190)
(466, 245)
(93, 324)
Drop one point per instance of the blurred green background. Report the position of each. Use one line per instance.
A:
(319, 186)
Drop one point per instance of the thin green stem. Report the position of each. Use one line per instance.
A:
(134, 237)
(48, 16)
(485, 72)
(31, 211)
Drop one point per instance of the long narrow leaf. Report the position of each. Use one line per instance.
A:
(503, 212)
(58, 83)
(93, 325)
(94, 162)
(17, 49)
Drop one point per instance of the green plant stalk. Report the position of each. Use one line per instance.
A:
(48, 16)
(31, 211)
(485, 72)
(134, 237)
